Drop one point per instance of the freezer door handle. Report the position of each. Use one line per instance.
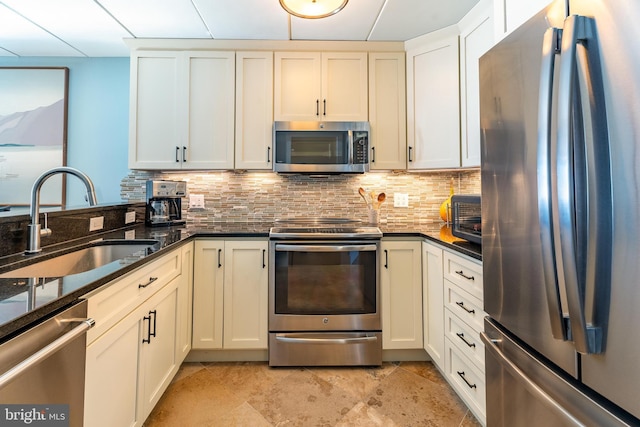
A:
(492, 347)
(584, 184)
(547, 192)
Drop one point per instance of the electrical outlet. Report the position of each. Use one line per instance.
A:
(400, 200)
(96, 223)
(196, 201)
(129, 217)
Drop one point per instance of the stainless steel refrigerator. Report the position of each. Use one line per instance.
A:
(560, 122)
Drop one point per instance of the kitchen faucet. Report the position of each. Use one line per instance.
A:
(35, 230)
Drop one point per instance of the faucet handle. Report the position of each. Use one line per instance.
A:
(46, 231)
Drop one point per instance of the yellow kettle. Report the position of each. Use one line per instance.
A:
(445, 206)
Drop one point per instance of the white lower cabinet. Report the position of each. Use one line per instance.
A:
(130, 364)
(401, 289)
(230, 294)
(453, 320)
(463, 322)
(433, 302)
(467, 379)
(185, 303)
(158, 362)
(111, 377)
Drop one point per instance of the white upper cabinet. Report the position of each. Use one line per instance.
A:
(154, 122)
(327, 86)
(433, 101)
(510, 14)
(182, 110)
(476, 37)
(387, 111)
(254, 110)
(210, 130)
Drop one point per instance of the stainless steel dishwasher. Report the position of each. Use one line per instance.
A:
(42, 370)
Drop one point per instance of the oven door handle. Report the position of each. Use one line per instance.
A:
(299, 340)
(323, 248)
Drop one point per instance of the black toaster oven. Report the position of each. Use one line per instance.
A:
(466, 217)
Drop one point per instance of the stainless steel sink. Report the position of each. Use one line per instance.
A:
(86, 258)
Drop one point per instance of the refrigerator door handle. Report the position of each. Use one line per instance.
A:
(584, 185)
(547, 194)
(491, 346)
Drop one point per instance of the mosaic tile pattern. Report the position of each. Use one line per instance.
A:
(252, 394)
(264, 196)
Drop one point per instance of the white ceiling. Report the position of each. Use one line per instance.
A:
(96, 27)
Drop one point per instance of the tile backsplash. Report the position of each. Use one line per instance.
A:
(264, 196)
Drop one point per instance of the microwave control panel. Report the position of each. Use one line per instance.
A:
(360, 147)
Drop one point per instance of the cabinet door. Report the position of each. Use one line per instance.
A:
(510, 14)
(156, 111)
(158, 363)
(185, 304)
(344, 87)
(208, 279)
(211, 97)
(433, 113)
(111, 377)
(246, 295)
(433, 302)
(254, 110)
(297, 92)
(387, 111)
(401, 286)
(476, 38)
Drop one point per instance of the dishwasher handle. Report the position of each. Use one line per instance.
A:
(48, 350)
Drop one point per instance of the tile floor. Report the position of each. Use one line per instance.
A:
(252, 394)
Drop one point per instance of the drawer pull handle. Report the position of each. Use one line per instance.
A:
(461, 373)
(151, 280)
(461, 336)
(461, 305)
(461, 273)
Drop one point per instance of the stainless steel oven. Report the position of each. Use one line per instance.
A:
(324, 296)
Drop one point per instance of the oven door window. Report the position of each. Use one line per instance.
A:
(313, 148)
(325, 283)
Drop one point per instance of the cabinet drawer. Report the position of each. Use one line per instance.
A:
(464, 273)
(113, 301)
(465, 338)
(467, 379)
(463, 305)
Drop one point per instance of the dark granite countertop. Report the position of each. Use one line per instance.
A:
(26, 301)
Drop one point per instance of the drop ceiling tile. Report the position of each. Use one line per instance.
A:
(403, 20)
(23, 38)
(158, 18)
(245, 19)
(354, 22)
(81, 23)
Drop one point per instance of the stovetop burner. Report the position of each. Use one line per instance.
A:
(329, 228)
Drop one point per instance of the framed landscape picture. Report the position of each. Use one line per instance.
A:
(33, 132)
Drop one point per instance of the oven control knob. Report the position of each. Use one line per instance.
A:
(325, 320)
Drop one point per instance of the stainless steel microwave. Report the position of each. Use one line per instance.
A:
(321, 147)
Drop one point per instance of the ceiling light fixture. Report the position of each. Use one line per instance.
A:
(313, 9)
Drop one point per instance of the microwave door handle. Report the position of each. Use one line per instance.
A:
(584, 184)
(547, 193)
(351, 146)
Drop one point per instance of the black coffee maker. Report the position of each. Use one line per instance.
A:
(164, 203)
